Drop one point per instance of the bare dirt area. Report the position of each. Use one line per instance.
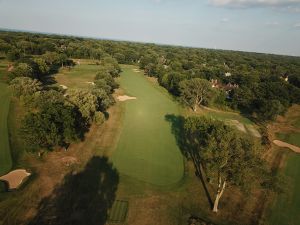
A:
(15, 178)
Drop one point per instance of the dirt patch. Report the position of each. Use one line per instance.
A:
(123, 98)
(15, 178)
(69, 160)
(287, 145)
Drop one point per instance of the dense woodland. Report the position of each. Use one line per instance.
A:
(260, 85)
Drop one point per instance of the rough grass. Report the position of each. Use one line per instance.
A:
(5, 154)
(147, 149)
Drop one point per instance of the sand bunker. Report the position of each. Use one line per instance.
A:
(123, 98)
(287, 145)
(136, 70)
(91, 83)
(253, 131)
(15, 178)
(63, 86)
(238, 125)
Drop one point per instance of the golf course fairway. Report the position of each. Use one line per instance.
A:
(147, 149)
(5, 156)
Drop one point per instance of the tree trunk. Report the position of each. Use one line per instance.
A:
(221, 188)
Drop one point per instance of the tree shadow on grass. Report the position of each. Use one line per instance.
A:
(83, 198)
(188, 148)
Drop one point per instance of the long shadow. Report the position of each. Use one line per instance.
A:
(189, 149)
(83, 198)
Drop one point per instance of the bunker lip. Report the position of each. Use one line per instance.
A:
(123, 98)
(15, 178)
(287, 145)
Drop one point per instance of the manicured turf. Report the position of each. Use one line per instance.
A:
(5, 155)
(147, 149)
(287, 206)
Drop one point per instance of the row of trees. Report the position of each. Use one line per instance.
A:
(57, 117)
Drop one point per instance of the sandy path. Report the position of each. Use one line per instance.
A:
(15, 178)
(287, 145)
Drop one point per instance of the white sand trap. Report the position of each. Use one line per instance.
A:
(253, 131)
(136, 70)
(123, 98)
(91, 83)
(287, 145)
(15, 178)
(63, 86)
(238, 125)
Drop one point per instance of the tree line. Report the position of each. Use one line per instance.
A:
(267, 84)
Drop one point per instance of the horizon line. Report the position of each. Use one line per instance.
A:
(139, 42)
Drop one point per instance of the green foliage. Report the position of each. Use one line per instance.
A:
(22, 70)
(54, 125)
(195, 92)
(25, 86)
(225, 156)
(99, 118)
(85, 101)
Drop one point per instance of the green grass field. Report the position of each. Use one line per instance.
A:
(79, 76)
(286, 209)
(147, 149)
(5, 155)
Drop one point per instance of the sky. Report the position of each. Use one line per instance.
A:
(269, 26)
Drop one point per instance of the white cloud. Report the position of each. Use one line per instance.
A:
(224, 20)
(284, 4)
(297, 25)
(273, 23)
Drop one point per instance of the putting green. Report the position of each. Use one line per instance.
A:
(147, 149)
(5, 156)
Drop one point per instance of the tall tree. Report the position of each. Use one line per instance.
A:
(225, 156)
(195, 92)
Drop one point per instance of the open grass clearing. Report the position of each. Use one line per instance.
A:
(80, 76)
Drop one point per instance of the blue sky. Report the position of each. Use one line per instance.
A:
(271, 26)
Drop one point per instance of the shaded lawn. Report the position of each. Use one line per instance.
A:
(83, 198)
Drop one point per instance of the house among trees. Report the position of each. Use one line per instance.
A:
(226, 87)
